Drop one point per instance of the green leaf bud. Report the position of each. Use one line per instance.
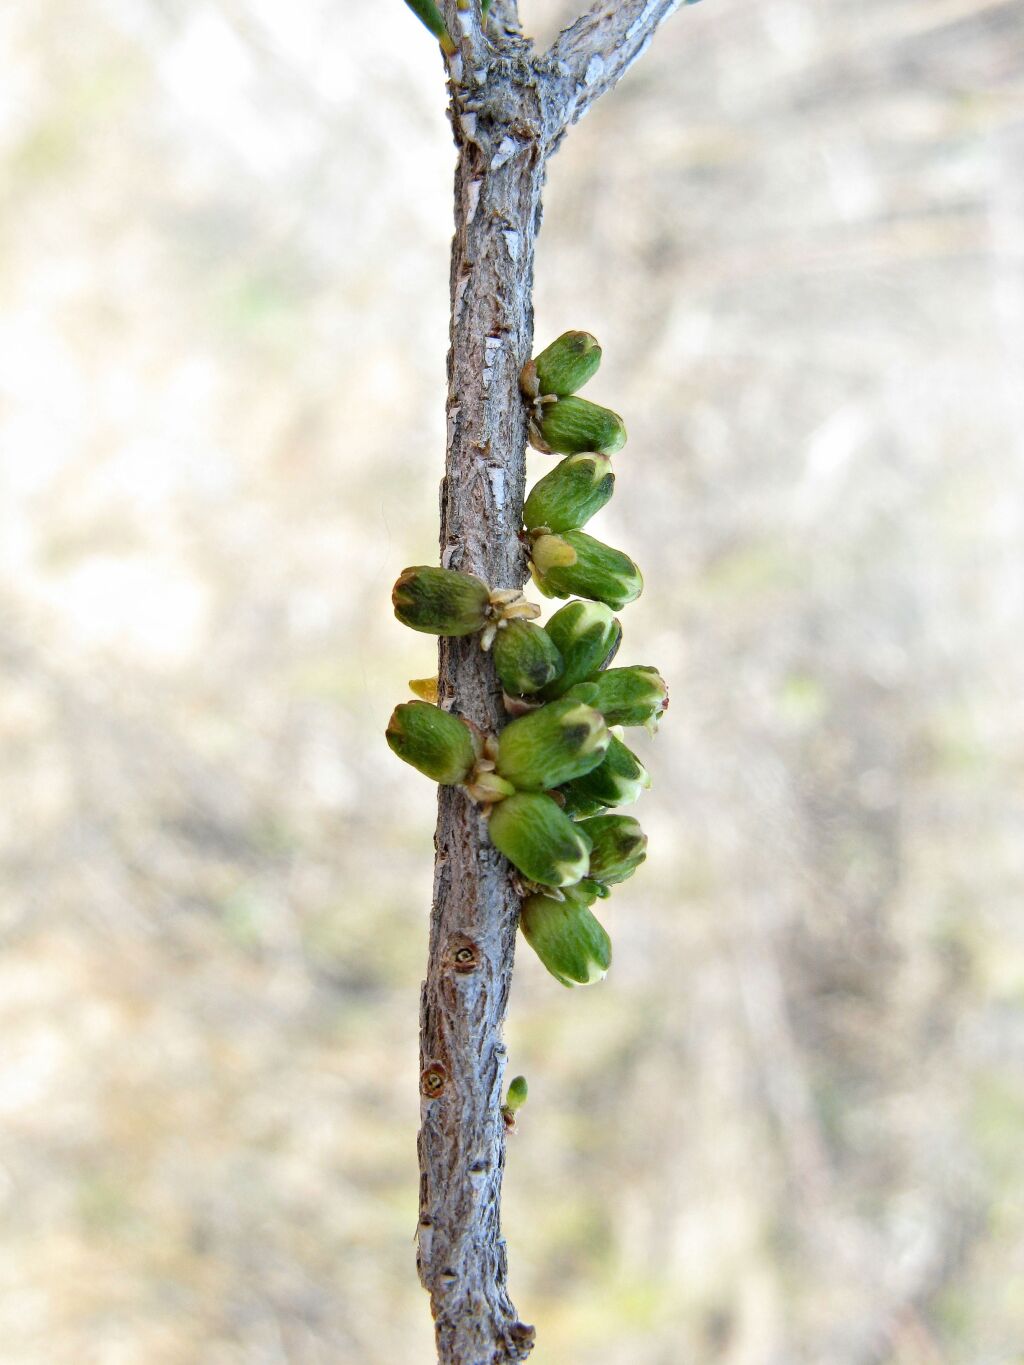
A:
(577, 803)
(572, 426)
(563, 367)
(434, 741)
(574, 491)
(635, 695)
(617, 780)
(552, 745)
(516, 1095)
(440, 601)
(587, 636)
(430, 15)
(567, 938)
(599, 572)
(525, 658)
(619, 847)
(539, 839)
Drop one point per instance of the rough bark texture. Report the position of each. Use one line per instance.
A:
(508, 113)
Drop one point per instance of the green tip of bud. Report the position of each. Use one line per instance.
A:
(567, 364)
(574, 491)
(635, 695)
(598, 572)
(587, 636)
(517, 1093)
(567, 938)
(435, 742)
(619, 847)
(617, 780)
(440, 601)
(573, 426)
(540, 840)
(525, 658)
(545, 748)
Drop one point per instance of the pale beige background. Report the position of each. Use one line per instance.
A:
(789, 1127)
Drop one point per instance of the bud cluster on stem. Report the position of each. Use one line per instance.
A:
(548, 782)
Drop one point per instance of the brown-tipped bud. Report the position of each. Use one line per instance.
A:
(567, 938)
(574, 491)
(588, 637)
(545, 748)
(563, 367)
(437, 743)
(525, 658)
(598, 572)
(619, 847)
(440, 601)
(537, 838)
(572, 426)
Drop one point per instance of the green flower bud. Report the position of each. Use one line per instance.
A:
(619, 847)
(574, 491)
(587, 636)
(577, 804)
(440, 601)
(599, 572)
(434, 741)
(574, 425)
(563, 367)
(516, 1095)
(539, 839)
(525, 658)
(550, 746)
(636, 695)
(567, 938)
(617, 780)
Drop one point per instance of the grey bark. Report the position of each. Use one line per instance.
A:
(509, 110)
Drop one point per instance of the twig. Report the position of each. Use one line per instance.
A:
(508, 111)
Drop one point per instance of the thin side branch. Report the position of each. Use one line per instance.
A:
(503, 18)
(589, 57)
(469, 67)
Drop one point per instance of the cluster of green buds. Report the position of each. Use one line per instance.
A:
(549, 782)
(564, 560)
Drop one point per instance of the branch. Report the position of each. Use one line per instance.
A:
(508, 112)
(587, 59)
(498, 181)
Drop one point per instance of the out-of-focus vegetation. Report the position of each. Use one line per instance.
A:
(789, 1127)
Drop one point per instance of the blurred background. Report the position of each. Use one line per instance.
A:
(788, 1129)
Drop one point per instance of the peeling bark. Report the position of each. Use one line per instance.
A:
(509, 110)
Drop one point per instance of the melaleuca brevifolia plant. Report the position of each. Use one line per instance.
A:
(525, 726)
